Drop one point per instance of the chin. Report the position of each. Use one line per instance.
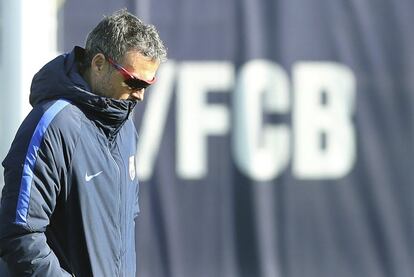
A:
(135, 98)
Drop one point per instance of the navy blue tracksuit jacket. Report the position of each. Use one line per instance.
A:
(71, 190)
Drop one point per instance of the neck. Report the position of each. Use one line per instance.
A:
(86, 74)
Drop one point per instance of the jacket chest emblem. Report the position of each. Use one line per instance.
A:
(132, 167)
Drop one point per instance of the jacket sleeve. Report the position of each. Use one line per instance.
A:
(33, 178)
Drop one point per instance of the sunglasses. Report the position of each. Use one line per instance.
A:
(129, 79)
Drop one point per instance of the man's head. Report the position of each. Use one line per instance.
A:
(122, 56)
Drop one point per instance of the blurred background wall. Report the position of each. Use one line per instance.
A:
(278, 140)
(28, 39)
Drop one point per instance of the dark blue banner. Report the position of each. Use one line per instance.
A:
(278, 140)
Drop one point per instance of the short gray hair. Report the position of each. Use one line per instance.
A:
(121, 32)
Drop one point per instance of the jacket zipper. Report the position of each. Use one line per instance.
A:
(124, 208)
(123, 211)
(119, 202)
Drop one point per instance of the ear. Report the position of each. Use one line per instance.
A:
(98, 63)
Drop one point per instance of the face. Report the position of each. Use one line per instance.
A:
(108, 81)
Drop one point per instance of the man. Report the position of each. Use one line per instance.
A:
(71, 190)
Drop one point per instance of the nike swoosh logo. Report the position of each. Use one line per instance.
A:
(90, 177)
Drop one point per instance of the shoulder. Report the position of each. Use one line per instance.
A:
(53, 114)
(59, 123)
(63, 123)
(52, 124)
(62, 115)
(57, 118)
